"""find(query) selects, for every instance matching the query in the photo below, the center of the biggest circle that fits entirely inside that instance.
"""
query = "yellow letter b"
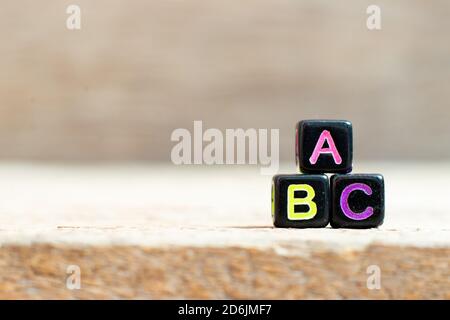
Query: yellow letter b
(293, 201)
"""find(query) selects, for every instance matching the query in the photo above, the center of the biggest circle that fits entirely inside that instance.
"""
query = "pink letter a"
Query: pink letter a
(318, 150)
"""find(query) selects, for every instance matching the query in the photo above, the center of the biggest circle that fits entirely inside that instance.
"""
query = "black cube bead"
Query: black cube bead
(300, 201)
(324, 146)
(357, 201)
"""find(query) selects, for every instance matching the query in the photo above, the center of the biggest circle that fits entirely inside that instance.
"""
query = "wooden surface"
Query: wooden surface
(206, 232)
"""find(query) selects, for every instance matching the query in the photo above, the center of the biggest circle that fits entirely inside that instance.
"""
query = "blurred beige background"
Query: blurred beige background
(117, 88)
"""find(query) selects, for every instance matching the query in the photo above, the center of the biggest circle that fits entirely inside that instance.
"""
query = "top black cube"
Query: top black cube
(324, 146)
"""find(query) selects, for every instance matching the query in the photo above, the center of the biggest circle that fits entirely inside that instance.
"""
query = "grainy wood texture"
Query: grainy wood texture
(205, 232)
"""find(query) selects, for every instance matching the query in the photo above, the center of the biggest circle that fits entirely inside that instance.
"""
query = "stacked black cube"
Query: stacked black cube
(312, 200)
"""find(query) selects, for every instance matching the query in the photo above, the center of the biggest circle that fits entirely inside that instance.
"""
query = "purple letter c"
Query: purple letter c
(344, 201)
